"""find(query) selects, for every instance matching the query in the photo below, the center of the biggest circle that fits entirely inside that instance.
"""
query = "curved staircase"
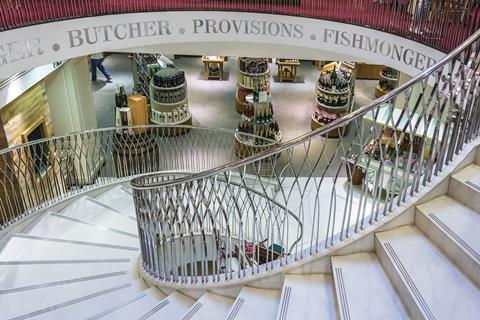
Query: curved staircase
(80, 263)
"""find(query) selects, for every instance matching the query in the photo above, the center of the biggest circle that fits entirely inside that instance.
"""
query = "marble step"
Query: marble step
(309, 297)
(22, 276)
(93, 304)
(172, 307)
(90, 210)
(453, 227)
(26, 249)
(430, 285)
(210, 306)
(363, 288)
(120, 199)
(38, 300)
(254, 303)
(63, 227)
(464, 186)
(133, 308)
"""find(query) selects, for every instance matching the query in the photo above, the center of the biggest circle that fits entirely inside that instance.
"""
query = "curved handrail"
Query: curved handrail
(424, 24)
(338, 187)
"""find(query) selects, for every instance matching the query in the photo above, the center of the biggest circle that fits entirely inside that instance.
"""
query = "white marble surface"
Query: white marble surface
(259, 304)
(118, 199)
(460, 190)
(455, 233)
(56, 226)
(311, 297)
(24, 249)
(447, 292)
(137, 308)
(367, 287)
(17, 276)
(24, 302)
(87, 210)
(177, 306)
(88, 308)
(213, 307)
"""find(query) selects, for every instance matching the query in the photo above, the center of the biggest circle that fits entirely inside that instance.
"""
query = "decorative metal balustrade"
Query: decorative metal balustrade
(440, 24)
(292, 201)
(45, 172)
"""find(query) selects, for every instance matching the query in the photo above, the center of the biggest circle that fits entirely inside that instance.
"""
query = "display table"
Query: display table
(213, 67)
(287, 69)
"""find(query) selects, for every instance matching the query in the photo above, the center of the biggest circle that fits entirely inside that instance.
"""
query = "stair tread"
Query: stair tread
(23, 276)
(89, 307)
(469, 173)
(88, 210)
(134, 308)
(455, 219)
(119, 199)
(309, 296)
(442, 290)
(254, 303)
(172, 307)
(58, 226)
(23, 248)
(210, 306)
(40, 299)
(363, 288)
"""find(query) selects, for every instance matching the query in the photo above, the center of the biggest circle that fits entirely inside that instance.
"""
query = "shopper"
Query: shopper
(96, 61)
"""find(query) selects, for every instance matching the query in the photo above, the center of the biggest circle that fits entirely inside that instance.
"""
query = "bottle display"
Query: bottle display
(258, 119)
(388, 81)
(253, 75)
(335, 94)
(121, 100)
(146, 66)
(169, 97)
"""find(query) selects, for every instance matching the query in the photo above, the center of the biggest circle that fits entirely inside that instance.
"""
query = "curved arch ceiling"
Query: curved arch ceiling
(211, 33)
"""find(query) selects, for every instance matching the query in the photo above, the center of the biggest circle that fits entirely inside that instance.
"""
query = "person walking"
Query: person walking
(96, 61)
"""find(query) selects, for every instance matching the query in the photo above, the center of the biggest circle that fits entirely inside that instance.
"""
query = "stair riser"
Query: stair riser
(466, 194)
(449, 245)
(398, 282)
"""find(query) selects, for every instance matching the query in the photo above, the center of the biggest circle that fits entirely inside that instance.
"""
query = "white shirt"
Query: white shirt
(96, 56)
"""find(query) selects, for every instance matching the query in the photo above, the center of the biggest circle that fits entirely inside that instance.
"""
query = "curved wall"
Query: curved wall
(227, 33)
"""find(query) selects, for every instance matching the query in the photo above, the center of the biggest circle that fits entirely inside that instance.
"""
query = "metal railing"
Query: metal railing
(386, 152)
(440, 24)
(38, 174)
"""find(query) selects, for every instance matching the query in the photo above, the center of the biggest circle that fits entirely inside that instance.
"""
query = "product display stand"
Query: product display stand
(213, 67)
(335, 96)
(257, 119)
(145, 65)
(251, 71)
(388, 81)
(287, 69)
(169, 101)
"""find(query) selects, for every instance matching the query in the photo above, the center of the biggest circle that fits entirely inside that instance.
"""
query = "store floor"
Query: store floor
(212, 104)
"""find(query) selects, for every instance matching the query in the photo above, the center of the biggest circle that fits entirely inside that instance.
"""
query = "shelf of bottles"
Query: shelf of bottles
(258, 119)
(146, 65)
(388, 81)
(168, 97)
(335, 95)
(251, 72)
